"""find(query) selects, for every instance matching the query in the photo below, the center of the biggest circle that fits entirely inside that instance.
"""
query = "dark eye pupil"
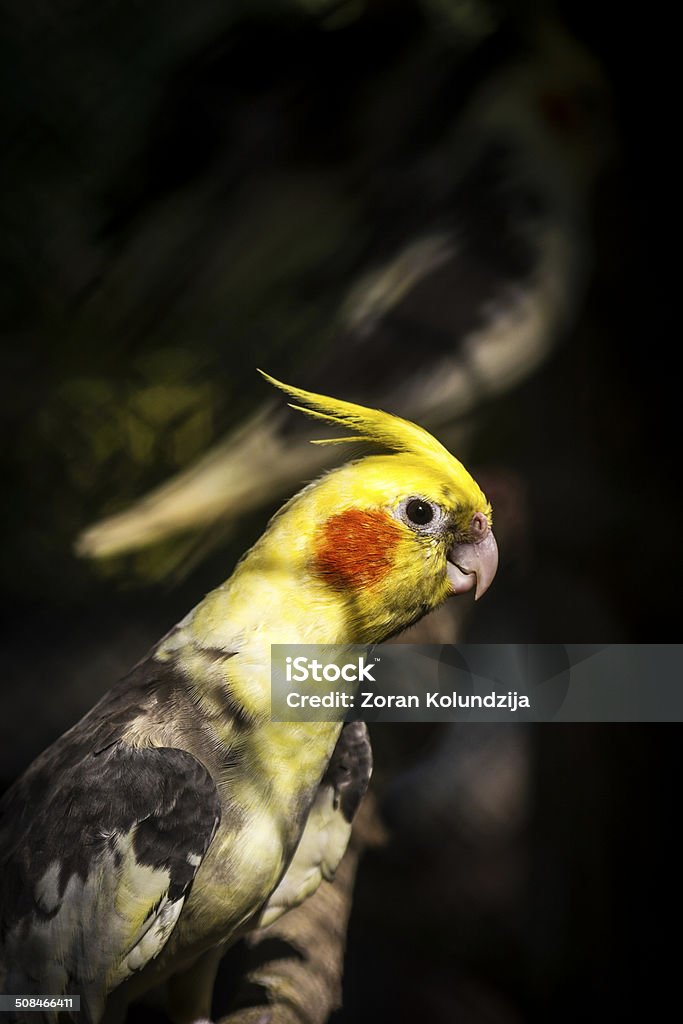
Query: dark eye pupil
(419, 512)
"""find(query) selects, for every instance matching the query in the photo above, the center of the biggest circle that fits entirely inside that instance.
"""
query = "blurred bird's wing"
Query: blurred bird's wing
(95, 873)
(244, 471)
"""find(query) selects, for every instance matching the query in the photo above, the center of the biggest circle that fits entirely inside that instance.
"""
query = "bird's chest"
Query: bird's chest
(263, 815)
(239, 872)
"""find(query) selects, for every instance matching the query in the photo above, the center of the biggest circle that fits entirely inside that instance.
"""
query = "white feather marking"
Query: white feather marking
(156, 936)
(47, 889)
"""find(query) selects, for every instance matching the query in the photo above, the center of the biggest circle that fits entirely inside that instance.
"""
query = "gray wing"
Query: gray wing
(98, 852)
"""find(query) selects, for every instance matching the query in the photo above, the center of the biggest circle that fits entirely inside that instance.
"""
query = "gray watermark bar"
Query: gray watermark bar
(40, 1004)
(477, 683)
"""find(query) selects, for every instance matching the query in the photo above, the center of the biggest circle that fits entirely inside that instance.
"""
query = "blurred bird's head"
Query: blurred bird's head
(390, 536)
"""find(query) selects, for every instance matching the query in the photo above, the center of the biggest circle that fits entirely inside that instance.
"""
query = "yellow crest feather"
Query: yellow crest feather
(372, 425)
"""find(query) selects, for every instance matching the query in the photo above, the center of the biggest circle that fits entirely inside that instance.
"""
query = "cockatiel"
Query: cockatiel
(176, 815)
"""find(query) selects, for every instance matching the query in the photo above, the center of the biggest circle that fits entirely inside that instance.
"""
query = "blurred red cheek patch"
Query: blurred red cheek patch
(356, 548)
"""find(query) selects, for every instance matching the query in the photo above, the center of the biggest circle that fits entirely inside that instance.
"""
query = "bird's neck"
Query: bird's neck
(222, 649)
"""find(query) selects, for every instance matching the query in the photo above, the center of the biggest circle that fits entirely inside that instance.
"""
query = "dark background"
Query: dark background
(186, 194)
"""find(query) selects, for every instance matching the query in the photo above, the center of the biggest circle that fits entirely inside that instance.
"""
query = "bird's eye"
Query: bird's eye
(421, 515)
(419, 512)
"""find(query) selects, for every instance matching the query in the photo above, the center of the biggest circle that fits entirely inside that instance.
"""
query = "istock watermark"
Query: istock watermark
(303, 670)
(478, 683)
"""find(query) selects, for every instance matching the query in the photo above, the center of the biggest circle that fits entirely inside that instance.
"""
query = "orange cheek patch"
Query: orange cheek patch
(356, 548)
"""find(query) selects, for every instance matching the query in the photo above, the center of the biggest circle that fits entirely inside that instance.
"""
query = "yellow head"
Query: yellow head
(391, 536)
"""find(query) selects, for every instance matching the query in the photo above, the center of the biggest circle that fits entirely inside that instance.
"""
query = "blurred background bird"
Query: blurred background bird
(460, 267)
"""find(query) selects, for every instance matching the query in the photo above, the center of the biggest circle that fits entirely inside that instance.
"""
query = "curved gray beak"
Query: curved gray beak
(473, 563)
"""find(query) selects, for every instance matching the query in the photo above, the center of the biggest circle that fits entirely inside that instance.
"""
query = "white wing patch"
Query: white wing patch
(103, 923)
(47, 890)
(155, 938)
(141, 887)
(98, 874)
